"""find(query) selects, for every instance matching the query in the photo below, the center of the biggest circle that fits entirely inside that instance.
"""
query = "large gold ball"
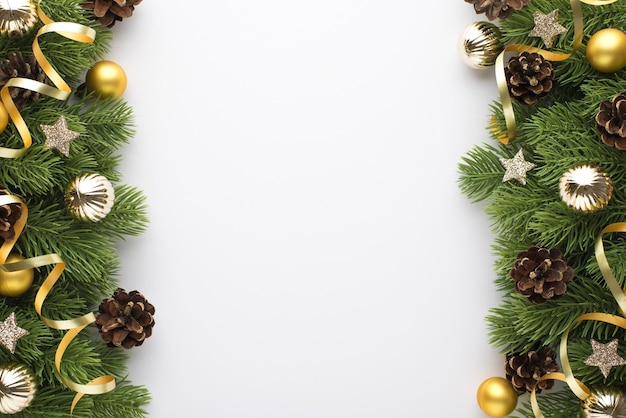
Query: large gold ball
(497, 397)
(15, 283)
(606, 50)
(106, 78)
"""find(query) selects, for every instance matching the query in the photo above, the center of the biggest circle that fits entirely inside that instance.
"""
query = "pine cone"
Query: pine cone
(541, 274)
(524, 370)
(611, 121)
(126, 319)
(497, 9)
(110, 11)
(529, 77)
(17, 66)
(9, 214)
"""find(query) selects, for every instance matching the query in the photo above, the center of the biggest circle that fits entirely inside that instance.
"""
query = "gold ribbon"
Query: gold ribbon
(97, 386)
(60, 91)
(503, 90)
(576, 386)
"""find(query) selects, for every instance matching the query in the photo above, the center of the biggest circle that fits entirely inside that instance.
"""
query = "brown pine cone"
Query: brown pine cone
(541, 274)
(524, 370)
(529, 77)
(9, 214)
(126, 319)
(497, 9)
(110, 11)
(25, 67)
(611, 121)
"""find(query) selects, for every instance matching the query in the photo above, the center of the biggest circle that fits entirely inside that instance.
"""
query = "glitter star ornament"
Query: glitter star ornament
(604, 356)
(58, 136)
(10, 333)
(516, 168)
(547, 27)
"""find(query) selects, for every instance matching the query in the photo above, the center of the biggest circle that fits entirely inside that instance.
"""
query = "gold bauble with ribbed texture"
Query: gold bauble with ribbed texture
(15, 283)
(480, 44)
(585, 188)
(17, 17)
(605, 404)
(496, 397)
(606, 50)
(105, 79)
(90, 197)
(19, 388)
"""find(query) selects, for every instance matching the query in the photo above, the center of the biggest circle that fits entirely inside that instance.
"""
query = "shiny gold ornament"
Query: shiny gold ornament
(18, 388)
(497, 397)
(480, 44)
(605, 405)
(17, 17)
(90, 197)
(606, 50)
(106, 78)
(15, 283)
(585, 188)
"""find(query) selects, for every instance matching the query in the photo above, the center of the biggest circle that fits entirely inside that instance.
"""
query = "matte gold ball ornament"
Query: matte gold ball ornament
(106, 79)
(480, 44)
(15, 283)
(90, 197)
(606, 50)
(18, 388)
(497, 397)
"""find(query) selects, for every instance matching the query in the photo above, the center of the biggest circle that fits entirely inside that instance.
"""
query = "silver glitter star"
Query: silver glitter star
(547, 27)
(10, 332)
(58, 136)
(516, 168)
(604, 356)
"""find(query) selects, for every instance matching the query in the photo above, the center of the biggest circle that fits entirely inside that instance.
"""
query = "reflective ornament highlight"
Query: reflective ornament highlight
(90, 197)
(17, 388)
(106, 78)
(17, 17)
(606, 50)
(15, 283)
(496, 397)
(585, 188)
(480, 44)
(605, 405)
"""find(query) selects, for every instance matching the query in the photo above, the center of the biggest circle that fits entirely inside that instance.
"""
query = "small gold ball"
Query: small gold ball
(90, 197)
(606, 50)
(496, 397)
(106, 78)
(15, 283)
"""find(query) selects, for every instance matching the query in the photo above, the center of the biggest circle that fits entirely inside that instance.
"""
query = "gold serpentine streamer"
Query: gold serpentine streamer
(576, 386)
(503, 90)
(60, 91)
(97, 386)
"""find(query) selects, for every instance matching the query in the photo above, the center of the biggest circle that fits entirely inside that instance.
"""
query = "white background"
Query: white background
(309, 253)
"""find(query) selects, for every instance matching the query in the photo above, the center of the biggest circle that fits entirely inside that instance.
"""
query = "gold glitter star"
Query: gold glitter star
(604, 356)
(58, 136)
(10, 333)
(516, 168)
(547, 27)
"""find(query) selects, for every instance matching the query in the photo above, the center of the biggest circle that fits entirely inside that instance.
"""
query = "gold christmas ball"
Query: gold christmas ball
(18, 388)
(480, 44)
(106, 78)
(15, 283)
(606, 50)
(496, 397)
(605, 405)
(90, 197)
(17, 17)
(585, 188)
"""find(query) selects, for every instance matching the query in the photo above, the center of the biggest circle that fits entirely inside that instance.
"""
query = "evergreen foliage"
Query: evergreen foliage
(556, 134)
(88, 249)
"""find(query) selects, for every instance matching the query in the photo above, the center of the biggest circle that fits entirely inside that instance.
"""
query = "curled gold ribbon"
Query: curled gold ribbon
(576, 386)
(97, 386)
(60, 91)
(503, 90)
